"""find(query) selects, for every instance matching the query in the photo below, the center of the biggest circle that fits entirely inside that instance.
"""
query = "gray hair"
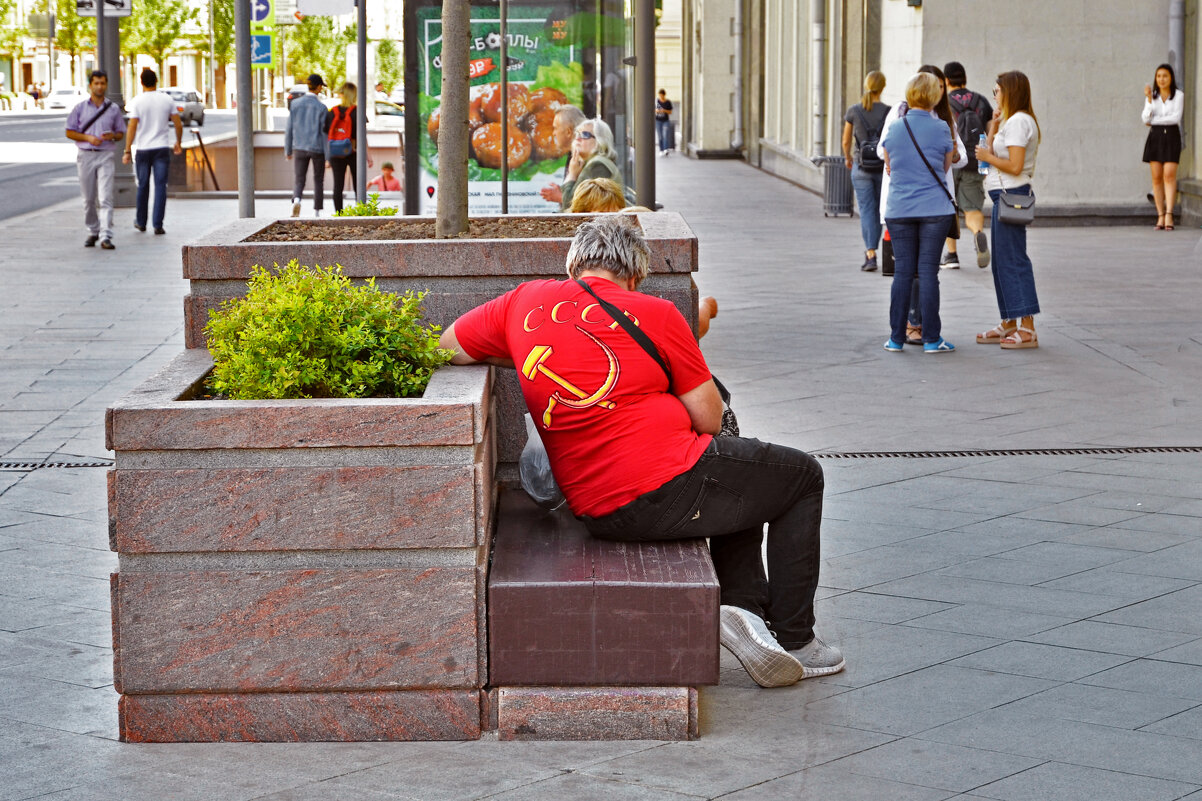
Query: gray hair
(571, 115)
(605, 139)
(613, 243)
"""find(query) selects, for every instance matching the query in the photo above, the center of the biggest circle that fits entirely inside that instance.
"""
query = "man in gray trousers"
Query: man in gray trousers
(305, 143)
(96, 125)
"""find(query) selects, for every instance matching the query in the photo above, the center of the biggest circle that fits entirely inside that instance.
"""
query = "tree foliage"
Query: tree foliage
(318, 45)
(388, 64)
(73, 34)
(154, 28)
(12, 33)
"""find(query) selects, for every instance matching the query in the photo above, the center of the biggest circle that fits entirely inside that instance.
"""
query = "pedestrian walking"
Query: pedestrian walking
(305, 139)
(151, 116)
(342, 142)
(1013, 142)
(96, 126)
(1164, 106)
(663, 123)
(971, 112)
(865, 122)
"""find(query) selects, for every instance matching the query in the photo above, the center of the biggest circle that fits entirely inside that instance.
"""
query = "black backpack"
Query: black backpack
(969, 125)
(869, 160)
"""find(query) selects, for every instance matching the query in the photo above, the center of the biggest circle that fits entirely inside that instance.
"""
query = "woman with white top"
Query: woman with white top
(1163, 108)
(1010, 150)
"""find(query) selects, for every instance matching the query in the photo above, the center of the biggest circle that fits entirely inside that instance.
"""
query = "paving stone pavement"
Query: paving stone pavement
(1016, 626)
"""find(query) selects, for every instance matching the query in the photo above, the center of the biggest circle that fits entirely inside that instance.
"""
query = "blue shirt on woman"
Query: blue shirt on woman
(913, 190)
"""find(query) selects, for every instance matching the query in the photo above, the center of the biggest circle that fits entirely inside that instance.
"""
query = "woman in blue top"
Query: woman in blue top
(918, 210)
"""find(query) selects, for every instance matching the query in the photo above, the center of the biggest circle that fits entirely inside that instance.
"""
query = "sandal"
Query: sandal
(1015, 341)
(1168, 222)
(996, 334)
(913, 334)
(1160, 223)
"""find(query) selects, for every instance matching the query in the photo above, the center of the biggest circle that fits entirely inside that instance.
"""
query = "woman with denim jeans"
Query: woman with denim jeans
(918, 150)
(866, 121)
(1010, 150)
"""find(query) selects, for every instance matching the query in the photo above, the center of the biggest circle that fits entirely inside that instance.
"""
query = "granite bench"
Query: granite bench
(596, 640)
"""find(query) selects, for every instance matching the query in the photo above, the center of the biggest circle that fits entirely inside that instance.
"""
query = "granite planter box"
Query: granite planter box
(298, 570)
(458, 273)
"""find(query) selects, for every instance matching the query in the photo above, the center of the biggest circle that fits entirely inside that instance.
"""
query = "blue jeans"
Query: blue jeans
(868, 197)
(1013, 276)
(917, 244)
(158, 159)
(736, 487)
(665, 135)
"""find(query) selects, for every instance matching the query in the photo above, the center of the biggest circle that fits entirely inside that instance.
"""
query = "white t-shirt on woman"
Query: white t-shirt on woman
(1158, 111)
(1018, 130)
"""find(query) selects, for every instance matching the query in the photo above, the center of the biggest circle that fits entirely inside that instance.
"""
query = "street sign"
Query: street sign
(262, 50)
(261, 13)
(324, 8)
(112, 8)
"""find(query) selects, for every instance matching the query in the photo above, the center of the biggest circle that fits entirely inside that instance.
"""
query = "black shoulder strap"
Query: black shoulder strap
(935, 175)
(97, 116)
(629, 327)
(864, 121)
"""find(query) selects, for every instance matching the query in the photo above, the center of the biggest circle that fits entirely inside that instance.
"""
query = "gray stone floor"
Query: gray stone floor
(1017, 627)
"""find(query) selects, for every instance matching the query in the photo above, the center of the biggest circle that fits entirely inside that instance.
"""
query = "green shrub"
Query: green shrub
(308, 332)
(368, 208)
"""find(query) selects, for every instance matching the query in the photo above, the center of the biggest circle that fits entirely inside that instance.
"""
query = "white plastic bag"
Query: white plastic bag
(535, 470)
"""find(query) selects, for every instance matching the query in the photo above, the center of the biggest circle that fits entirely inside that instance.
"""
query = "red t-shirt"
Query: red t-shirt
(612, 428)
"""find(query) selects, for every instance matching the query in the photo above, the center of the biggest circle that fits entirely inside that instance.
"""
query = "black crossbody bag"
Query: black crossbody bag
(942, 183)
(730, 425)
(97, 116)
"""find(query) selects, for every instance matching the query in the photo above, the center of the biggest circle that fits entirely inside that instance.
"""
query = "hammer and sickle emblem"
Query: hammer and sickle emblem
(536, 363)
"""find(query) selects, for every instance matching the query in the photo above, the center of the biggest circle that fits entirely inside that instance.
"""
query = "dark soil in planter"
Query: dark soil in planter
(547, 227)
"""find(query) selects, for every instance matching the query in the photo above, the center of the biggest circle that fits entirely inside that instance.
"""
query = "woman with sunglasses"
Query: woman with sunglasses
(1010, 149)
(593, 156)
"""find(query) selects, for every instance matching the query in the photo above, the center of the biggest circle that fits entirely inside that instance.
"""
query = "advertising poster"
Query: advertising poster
(544, 71)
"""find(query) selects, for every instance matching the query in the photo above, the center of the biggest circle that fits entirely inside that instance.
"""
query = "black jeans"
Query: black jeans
(300, 166)
(339, 166)
(736, 487)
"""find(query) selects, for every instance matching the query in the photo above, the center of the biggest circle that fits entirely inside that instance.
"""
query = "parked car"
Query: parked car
(188, 104)
(67, 97)
(389, 115)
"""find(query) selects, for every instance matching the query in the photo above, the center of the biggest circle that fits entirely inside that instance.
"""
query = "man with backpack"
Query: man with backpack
(305, 137)
(972, 113)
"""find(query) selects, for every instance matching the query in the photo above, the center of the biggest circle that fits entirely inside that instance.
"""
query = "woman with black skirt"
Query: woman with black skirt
(1163, 108)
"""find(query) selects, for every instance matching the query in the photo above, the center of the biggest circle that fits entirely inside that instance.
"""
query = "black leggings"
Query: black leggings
(338, 165)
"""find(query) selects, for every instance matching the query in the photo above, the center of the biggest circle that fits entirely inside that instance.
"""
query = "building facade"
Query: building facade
(770, 80)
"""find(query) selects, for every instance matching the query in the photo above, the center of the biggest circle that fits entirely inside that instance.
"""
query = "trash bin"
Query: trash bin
(836, 186)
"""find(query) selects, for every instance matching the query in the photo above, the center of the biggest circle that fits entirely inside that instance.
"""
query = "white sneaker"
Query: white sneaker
(747, 637)
(295, 207)
(819, 659)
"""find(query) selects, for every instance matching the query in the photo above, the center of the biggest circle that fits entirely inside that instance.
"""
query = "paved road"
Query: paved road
(37, 163)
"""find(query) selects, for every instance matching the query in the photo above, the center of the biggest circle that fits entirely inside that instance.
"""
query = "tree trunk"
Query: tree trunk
(453, 130)
(219, 87)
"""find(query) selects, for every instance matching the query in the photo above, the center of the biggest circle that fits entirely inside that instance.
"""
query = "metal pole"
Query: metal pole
(100, 43)
(212, 61)
(644, 102)
(361, 111)
(412, 125)
(246, 101)
(504, 106)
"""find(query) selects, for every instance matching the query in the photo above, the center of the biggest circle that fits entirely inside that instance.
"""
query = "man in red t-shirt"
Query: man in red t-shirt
(630, 440)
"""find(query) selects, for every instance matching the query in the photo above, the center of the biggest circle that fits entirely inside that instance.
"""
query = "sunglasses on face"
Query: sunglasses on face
(585, 135)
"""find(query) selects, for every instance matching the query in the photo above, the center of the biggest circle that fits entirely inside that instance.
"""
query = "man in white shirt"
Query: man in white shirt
(150, 114)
